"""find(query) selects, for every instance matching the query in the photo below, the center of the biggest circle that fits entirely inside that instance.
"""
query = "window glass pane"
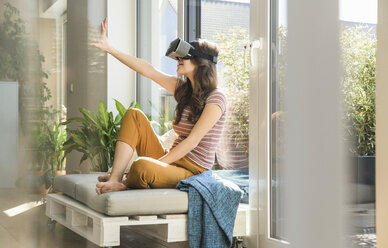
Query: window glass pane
(33, 53)
(227, 24)
(358, 21)
(157, 26)
(358, 43)
(278, 30)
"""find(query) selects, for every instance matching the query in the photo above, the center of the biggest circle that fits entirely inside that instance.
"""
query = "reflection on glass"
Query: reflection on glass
(278, 31)
(227, 24)
(358, 21)
(358, 57)
(31, 52)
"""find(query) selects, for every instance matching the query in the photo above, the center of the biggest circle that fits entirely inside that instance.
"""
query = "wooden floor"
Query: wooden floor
(29, 229)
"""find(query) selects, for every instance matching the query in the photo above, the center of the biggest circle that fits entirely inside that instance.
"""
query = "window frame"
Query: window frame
(192, 19)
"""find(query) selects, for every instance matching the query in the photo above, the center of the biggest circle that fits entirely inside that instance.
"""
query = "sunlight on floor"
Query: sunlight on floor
(22, 208)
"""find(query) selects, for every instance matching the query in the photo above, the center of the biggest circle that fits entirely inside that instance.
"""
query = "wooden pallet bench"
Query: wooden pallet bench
(104, 230)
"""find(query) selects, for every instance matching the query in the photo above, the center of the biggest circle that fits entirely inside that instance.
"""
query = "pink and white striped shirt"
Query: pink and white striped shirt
(204, 153)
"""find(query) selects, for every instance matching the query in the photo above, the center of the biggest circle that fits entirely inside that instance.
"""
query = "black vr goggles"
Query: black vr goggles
(181, 49)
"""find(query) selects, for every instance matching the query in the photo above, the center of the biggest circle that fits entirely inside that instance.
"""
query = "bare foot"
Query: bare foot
(104, 178)
(109, 186)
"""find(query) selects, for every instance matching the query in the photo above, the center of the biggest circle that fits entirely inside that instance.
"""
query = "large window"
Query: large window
(157, 27)
(227, 24)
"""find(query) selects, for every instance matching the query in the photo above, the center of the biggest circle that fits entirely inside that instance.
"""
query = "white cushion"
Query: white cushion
(129, 202)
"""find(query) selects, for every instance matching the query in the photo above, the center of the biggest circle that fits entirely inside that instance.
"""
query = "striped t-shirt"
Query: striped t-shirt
(204, 153)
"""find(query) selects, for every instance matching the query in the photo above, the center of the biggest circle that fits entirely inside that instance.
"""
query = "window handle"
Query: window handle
(245, 54)
(256, 44)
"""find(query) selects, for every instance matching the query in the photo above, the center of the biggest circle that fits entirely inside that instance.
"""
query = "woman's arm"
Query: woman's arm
(209, 117)
(139, 65)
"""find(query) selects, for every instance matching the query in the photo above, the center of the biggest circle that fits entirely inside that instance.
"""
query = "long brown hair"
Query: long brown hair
(205, 81)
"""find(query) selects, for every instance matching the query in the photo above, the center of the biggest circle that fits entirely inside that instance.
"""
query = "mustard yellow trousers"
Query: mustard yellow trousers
(147, 171)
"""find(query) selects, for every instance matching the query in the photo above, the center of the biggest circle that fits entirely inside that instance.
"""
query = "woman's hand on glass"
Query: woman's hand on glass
(103, 43)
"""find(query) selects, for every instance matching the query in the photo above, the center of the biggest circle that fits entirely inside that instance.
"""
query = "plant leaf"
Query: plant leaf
(79, 138)
(90, 117)
(103, 114)
(79, 119)
(120, 107)
(137, 106)
(118, 120)
(84, 157)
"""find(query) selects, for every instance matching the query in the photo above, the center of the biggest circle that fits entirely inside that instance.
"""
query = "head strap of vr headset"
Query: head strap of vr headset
(193, 52)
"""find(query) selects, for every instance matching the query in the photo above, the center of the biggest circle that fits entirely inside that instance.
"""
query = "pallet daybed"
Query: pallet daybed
(158, 212)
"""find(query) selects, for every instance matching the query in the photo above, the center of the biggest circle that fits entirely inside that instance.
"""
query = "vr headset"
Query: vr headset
(181, 49)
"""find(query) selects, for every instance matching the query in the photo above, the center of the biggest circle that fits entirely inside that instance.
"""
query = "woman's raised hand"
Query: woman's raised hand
(103, 42)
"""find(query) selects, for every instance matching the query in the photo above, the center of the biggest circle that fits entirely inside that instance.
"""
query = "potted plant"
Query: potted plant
(359, 57)
(232, 152)
(50, 154)
(96, 137)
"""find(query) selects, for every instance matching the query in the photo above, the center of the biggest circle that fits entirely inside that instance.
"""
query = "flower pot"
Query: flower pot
(365, 168)
(363, 178)
(42, 188)
(34, 183)
(60, 173)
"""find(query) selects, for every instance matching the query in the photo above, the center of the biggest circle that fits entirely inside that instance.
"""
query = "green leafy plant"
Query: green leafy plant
(13, 45)
(359, 87)
(50, 155)
(96, 137)
(235, 76)
(235, 70)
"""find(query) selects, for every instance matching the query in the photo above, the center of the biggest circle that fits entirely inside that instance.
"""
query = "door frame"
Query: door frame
(259, 128)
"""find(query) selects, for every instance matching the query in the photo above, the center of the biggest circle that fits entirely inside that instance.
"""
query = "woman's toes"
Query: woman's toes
(104, 187)
(103, 178)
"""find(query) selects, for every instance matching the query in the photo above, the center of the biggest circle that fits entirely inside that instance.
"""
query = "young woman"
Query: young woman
(199, 120)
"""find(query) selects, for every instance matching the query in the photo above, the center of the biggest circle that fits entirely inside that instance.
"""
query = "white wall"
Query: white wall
(122, 35)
